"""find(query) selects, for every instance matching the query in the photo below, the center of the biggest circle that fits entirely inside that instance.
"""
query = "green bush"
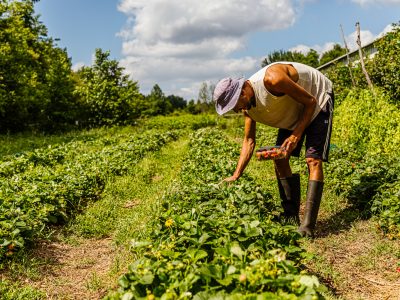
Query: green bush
(35, 75)
(365, 167)
(368, 123)
(385, 67)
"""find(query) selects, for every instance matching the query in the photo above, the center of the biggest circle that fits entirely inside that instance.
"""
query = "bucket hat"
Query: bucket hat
(226, 94)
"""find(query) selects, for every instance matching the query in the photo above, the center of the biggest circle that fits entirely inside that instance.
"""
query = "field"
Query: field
(139, 212)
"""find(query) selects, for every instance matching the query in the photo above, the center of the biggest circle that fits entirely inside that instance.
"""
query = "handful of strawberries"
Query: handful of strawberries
(271, 153)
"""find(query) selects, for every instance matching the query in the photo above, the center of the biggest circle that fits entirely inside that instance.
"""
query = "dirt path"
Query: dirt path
(357, 263)
(74, 272)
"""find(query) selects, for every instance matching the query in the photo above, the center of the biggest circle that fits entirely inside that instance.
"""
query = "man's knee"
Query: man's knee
(314, 163)
(282, 168)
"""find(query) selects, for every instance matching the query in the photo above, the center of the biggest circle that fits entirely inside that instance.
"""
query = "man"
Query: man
(298, 100)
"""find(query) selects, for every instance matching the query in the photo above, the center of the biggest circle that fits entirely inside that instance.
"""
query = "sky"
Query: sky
(180, 44)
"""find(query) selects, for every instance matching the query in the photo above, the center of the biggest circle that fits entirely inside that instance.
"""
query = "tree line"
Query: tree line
(40, 91)
(311, 58)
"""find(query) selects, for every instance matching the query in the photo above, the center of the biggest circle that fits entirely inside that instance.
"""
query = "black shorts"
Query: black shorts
(317, 134)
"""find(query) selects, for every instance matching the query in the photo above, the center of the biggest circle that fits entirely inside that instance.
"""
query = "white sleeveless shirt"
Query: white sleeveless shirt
(284, 111)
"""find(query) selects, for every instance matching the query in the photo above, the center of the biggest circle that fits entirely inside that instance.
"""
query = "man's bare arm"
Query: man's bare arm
(248, 145)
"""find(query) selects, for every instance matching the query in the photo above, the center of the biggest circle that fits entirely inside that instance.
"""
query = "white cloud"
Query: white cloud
(179, 44)
(376, 2)
(179, 76)
(320, 49)
(77, 65)
(386, 30)
(366, 37)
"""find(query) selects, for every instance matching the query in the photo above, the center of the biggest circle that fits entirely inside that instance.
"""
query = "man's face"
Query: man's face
(243, 103)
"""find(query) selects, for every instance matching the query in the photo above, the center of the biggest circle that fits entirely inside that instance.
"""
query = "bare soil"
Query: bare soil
(75, 271)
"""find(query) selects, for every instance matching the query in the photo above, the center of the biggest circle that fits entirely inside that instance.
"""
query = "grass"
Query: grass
(129, 201)
(12, 291)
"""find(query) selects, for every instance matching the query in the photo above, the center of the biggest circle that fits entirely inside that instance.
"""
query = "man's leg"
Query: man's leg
(288, 183)
(289, 190)
(313, 198)
(315, 170)
(317, 144)
(282, 168)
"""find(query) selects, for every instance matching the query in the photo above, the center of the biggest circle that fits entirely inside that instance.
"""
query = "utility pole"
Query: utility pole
(362, 58)
(348, 57)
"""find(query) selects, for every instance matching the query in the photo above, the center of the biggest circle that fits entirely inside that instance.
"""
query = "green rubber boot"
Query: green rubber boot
(289, 191)
(313, 200)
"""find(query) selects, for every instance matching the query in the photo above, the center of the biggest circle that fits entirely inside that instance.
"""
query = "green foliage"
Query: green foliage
(184, 121)
(311, 58)
(35, 78)
(365, 168)
(177, 102)
(214, 241)
(49, 185)
(385, 68)
(204, 103)
(106, 94)
(156, 103)
(329, 55)
(367, 123)
(11, 291)
(340, 76)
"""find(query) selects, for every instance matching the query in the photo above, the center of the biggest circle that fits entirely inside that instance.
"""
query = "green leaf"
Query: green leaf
(139, 244)
(203, 237)
(147, 279)
(236, 250)
(226, 281)
(254, 223)
(196, 255)
(310, 281)
(231, 270)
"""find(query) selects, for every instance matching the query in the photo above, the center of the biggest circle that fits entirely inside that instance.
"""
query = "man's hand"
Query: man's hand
(229, 179)
(290, 144)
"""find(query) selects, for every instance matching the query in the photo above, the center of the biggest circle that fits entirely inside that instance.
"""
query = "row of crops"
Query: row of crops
(213, 241)
(48, 185)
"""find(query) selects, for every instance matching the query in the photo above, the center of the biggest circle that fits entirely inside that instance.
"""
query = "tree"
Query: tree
(32, 70)
(335, 52)
(106, 94)
(203, 93)
(177, 102)
(204, 99)
(385, 67)
(311, 58)
(157, 103)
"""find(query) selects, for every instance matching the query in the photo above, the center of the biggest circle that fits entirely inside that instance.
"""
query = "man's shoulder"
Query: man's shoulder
(258, 75)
